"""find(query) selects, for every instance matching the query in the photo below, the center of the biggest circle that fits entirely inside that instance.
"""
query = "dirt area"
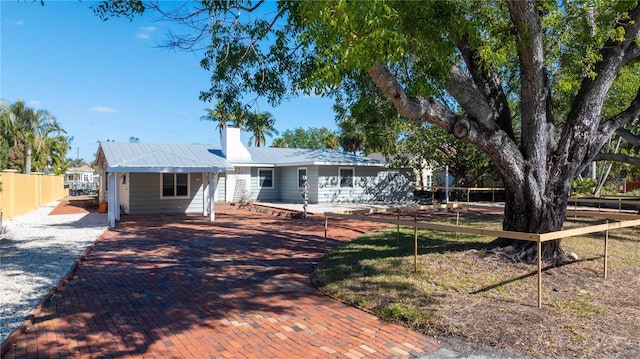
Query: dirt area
(583, 314)
(472, 296)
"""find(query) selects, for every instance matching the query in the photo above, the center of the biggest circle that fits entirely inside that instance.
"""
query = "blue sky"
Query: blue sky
(109, 80)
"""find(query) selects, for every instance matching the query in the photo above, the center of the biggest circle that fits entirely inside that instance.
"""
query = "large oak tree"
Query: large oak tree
(525, 82)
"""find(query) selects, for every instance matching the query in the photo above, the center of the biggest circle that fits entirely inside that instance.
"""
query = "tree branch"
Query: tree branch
(488, 83)
(582, 136)
(409, 107)
(496, 144)
(470, 97)
(632, 139)
(534, 84)
(632, 53)
(616, 157)
(590, 98)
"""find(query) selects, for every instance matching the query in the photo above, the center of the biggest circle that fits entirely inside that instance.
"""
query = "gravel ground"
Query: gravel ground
(36, 251)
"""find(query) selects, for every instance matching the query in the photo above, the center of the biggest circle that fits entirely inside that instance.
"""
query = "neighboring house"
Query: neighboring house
(81, 180)
(236, 173)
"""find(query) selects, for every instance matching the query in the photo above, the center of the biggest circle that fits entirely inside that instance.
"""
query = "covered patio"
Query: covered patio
(158, 178)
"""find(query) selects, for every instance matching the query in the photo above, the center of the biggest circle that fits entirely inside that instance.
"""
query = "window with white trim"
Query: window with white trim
(174, 185)
(345, 175)
(265, 178)
(302, 176)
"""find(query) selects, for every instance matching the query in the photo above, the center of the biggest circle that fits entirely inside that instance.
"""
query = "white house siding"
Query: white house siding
(314, 183)
(221, 187)
(240, 176)
(123, 193)
(289, 190)
(370, 184)
(144, 189)
(262, 194)
(288, 184)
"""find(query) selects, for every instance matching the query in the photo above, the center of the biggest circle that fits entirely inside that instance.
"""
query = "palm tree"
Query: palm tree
(30, 128)
(225, 115)
(56, 148)
(279, 143)
(351, 137)
(261, 125)
(5, 136)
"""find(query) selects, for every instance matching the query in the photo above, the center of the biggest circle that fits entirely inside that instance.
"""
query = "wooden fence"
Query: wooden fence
(464, 190)
(365, 215)
(23, 193)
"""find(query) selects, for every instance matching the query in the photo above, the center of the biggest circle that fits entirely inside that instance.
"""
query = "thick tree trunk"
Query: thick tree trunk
(528, 212)
(27, 165)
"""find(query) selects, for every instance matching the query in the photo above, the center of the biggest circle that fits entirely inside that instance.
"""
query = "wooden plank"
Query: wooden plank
(466, 188)
(534, 237)
(586, 230)
(602, 200)
(401, 209)
(596, 214)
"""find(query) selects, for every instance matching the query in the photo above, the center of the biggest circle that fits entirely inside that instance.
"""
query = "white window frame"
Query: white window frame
(306, 173)
(175, 187)
(273, 178)
(353, 177)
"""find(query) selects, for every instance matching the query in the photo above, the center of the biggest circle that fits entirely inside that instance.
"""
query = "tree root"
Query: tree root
(527, 252)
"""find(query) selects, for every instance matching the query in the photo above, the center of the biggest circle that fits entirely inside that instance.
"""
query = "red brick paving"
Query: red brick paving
(182, 287)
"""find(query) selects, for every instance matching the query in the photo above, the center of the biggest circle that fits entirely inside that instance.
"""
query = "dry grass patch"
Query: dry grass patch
(461, 290)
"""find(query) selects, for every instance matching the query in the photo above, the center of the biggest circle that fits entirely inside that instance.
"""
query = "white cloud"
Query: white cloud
(33, 103)
(145, 32)
(19, 23)
(103, 109)
(183, 113)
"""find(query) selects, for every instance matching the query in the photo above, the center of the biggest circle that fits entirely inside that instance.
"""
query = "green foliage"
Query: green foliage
(352, 137)
(77, 162)
(260, 125)
(368, 120)
(277, 50)
(583, 186)
(116, 8)
(35, 138)
(432, 147)
(315, 138)
(226, 113)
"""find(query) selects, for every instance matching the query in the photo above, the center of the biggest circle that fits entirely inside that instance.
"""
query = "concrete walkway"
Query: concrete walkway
(182, 287)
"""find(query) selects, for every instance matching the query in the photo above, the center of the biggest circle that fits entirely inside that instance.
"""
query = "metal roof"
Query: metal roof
(299, 157)
(146, 157)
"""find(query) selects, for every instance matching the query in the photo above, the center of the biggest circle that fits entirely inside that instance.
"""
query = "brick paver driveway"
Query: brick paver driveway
(164, 286)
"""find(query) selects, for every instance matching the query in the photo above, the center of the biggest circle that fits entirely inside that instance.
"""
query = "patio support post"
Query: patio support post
(206, 178)
(116, 208)
(111, 198)
(213, 178)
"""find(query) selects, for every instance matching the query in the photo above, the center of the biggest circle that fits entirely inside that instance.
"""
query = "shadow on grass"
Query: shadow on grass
(530, 274)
